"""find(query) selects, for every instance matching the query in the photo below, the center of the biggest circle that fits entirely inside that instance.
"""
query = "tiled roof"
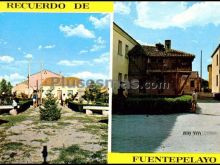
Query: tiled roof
(153, 51)
(64, 81)
(46, 70)
(23, 82)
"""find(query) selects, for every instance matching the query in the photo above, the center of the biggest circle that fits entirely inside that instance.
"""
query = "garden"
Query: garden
(95, 95)
(69, 136)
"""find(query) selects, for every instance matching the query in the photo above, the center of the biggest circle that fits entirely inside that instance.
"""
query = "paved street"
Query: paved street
(186, 132)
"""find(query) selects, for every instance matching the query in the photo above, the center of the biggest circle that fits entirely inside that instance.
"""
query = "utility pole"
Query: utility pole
(201, 72)
(41, 87)
(29, 71)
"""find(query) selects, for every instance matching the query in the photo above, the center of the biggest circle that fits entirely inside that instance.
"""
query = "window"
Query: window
(192, 83)
(119, 47)
(217, 60)
(119, 77)
(216, 80)
(125, 77)
(126, 51)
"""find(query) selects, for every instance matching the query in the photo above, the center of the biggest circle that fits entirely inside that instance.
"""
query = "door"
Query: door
(59, 94)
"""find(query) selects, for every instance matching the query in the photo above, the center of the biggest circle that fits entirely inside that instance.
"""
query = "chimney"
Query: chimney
(167, 44)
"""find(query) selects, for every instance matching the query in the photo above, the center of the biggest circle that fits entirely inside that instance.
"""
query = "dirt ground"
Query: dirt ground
(75, 138)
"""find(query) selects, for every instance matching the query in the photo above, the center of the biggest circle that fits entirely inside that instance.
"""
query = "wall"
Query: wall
(35, 79)
(56, 88)
(120, 62)
(215, 71)
(210, 76)
(35, 82)
(20, 88)
(193, 77)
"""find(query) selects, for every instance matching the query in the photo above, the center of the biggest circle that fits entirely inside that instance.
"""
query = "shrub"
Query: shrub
(152, 105)
(24, 105)
(217, 96)
(50, 110)
(78, 107)
(96, 93)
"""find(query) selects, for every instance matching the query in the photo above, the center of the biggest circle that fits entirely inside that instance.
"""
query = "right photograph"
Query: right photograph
(166, 77)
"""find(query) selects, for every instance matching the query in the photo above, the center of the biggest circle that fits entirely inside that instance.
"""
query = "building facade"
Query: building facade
(161, 70)
(34, 82)
(122, 44)
(216, 70)
(60, 86)
(155, 70)
(209, 68)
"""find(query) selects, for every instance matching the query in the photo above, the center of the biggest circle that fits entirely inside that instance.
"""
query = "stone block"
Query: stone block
(89, 112)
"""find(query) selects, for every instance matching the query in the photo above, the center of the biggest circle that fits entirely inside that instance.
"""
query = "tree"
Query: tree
(50, 110)
(95, 94)
(5, 88)
(5, 92)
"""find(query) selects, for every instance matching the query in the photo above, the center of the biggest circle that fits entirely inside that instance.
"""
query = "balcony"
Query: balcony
(167, 68)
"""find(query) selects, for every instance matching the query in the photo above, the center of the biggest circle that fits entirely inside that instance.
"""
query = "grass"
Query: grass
(94, 128)
(45, 126)
(13, 146)
(104, 136)
(49, 133)
(72, 155)
(63, 123)
(87, 119)
(13, 120)
(75, 155)
(40, 140)
(69, 154)
(13, 134)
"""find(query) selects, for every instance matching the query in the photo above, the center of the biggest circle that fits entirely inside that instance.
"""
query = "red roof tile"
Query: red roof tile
(153, 51)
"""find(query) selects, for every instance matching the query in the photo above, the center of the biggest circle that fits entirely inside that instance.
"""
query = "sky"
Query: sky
(74, 44)
(191, 26)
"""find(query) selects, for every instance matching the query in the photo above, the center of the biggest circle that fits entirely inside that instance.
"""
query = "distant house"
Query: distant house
(64, 85)
(193, 82)
(34, 82)
(162, 70)
(215, 70)
(21, 88)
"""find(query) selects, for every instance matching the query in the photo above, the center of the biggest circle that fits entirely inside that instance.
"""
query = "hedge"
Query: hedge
(24, 105)
(79, 107)
(75, 106)
(217, 96)
(151, 105)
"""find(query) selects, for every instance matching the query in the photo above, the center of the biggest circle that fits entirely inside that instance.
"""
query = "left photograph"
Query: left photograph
(54, 94)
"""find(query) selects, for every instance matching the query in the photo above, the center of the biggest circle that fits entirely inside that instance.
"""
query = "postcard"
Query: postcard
(165, 104)
(54, 102)
(87, 82)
